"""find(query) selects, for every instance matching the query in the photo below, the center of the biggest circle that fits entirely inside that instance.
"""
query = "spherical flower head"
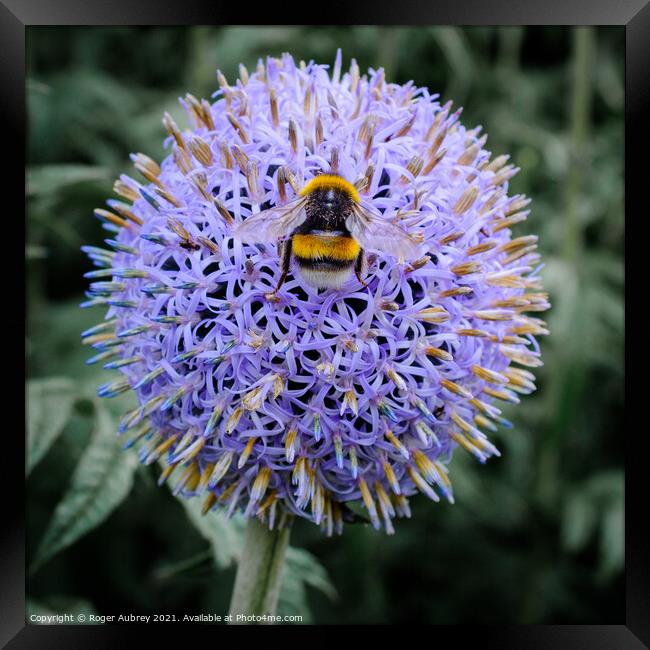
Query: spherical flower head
(303, 401)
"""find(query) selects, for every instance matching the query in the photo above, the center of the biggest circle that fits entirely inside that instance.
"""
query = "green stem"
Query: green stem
(201, 73)
(567, 384)
(583, 54)
(387, 49)
(564, 387)
(510, 41)
(257, 584)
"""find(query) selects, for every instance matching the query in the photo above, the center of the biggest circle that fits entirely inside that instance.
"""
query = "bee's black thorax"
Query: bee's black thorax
(327, 209)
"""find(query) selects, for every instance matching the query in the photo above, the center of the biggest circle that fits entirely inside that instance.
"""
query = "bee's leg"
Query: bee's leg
(285, 262)
(359, 266)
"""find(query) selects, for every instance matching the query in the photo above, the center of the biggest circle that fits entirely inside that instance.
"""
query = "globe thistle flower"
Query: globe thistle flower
(302, 401)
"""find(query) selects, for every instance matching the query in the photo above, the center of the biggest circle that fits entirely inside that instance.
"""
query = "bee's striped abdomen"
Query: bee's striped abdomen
(325, 260)
(332, 248)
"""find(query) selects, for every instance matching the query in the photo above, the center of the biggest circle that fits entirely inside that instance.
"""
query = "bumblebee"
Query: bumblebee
(326, 231)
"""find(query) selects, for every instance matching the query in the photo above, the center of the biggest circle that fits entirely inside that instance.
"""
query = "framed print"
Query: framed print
(325, 324)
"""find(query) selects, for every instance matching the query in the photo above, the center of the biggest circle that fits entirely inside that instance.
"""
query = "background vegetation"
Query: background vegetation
(535, 536)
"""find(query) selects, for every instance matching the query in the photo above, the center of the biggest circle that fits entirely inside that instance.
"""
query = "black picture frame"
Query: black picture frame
(16, 15)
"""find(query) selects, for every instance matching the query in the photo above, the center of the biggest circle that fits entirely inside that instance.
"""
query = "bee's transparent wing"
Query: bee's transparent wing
(272, 224)
(374, 232)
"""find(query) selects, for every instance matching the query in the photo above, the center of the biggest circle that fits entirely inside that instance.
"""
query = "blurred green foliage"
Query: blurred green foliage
(535, 536)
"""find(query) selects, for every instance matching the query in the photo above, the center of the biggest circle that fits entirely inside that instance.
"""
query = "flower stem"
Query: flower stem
(580, 107)
(257, 584)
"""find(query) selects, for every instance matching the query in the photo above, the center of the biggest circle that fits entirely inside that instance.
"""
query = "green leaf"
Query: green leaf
(597, 506)
(101, 480)
(579, 522)
(612, 539)
(183, 567)
(56, 345)
(33, 252)
(292, 600)
(46, 179)
(308, 569)
(225, 535)
(49, 404)
(302, 569)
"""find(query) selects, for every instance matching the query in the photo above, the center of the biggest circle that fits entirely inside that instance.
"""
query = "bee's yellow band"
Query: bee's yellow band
(331, 182)
(312, 247)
